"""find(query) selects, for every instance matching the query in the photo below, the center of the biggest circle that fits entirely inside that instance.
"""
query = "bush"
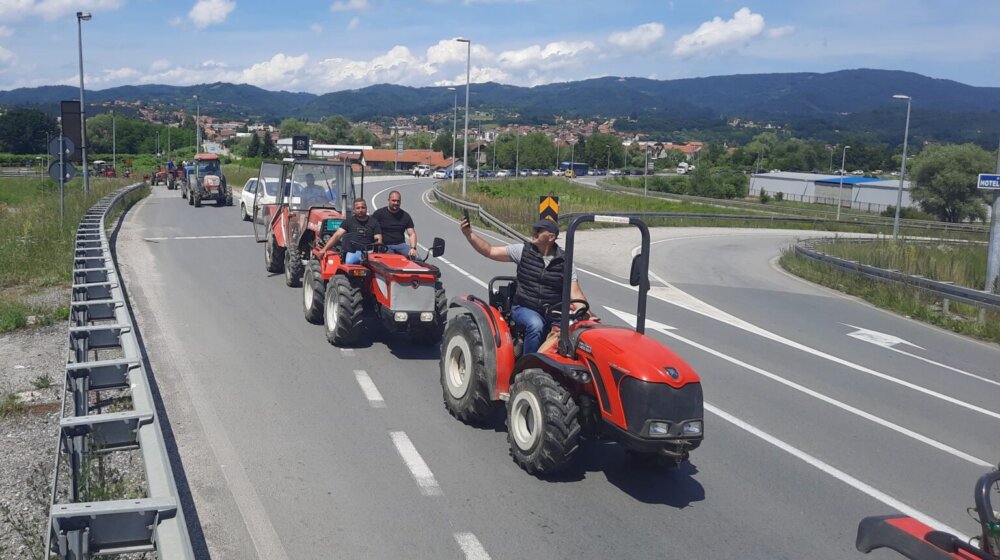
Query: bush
(764, 197)
(779, 196)
(907, 213)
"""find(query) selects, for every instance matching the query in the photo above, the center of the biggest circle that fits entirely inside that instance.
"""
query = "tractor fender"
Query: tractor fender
(498, 346)
(569, 372)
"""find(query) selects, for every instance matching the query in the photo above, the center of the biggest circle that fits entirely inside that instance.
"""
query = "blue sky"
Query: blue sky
(329, 45)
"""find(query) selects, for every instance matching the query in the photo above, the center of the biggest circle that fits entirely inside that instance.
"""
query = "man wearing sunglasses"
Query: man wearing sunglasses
(540, 273)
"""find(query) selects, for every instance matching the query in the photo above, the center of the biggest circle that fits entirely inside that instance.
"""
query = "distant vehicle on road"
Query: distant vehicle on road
(422, 170)
(579, 169)
(439, 174)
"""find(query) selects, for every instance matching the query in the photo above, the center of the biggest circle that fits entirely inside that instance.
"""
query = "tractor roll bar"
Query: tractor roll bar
(638, 274)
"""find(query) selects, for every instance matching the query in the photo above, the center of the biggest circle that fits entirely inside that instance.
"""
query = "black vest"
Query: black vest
(539, 286)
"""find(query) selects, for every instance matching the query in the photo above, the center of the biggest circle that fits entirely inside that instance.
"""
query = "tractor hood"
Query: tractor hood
(625, 352)
(211, 182)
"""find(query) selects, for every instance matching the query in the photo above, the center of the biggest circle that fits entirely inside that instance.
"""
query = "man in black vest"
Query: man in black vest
(540, 273)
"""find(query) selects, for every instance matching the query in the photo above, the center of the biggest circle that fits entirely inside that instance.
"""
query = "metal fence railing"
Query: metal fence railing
(105, 355)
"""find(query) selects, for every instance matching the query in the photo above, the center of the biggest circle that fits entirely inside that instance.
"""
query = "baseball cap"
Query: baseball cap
(547, 225)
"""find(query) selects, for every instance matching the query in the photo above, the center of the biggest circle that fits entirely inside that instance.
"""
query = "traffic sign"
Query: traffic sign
(69, 171)
(68, 147)
(548, 208)
(988, 182)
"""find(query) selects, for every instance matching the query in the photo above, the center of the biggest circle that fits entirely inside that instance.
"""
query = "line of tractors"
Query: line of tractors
(599, 381)
(199, 180)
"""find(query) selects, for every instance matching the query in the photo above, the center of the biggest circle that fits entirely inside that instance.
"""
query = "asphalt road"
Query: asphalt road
(292, 448)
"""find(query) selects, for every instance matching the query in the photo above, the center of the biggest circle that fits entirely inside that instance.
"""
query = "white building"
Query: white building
(321, 150)
(863, 193)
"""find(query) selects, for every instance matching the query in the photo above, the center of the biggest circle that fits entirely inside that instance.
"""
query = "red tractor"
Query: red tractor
(600, 381)
(206, 182)
(916, 540)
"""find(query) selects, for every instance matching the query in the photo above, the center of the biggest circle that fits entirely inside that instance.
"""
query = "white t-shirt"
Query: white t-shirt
(514, 251)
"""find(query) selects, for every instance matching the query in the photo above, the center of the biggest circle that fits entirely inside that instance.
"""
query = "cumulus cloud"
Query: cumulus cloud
(349, 5)
(553, 55)
(638, 38)
(478, 75)
(397, 66)
(12, 10)
(159, 65)
(776, 32)
(448, 51)
(717, 33)
(280, 71)
(211, 12)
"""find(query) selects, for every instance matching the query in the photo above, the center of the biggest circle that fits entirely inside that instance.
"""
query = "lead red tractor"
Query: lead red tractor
(599, 381)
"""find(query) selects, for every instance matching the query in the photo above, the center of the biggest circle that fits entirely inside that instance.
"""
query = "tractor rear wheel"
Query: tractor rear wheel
(293, 266)
(543, 425)
(431, 334)
(313, 293)
(342, 312)
(463, 372)
(221, 201)
(274, 256)
(184, 194)
(197, 199)
(229, 199)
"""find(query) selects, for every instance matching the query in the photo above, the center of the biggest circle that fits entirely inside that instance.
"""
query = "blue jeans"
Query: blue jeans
(401, 249)
(354, 257)
(535, 327)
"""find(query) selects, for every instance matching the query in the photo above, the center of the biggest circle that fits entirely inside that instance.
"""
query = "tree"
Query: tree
(22, 131)
(268, 150)
(537, 151)
(418, 141)
(293, 127)
(597, 149)
(443, 143)
(253, 150)
(946, 177)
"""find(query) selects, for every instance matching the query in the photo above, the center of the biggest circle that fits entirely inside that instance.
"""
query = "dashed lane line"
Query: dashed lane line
(369, 389)
(471, 546)
(418, 468)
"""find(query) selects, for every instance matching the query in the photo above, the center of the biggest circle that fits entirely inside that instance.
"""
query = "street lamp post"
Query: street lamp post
(609, 160)
(645, 174)
(81, 17)
(902, 172)
(840, 191)
(159, 164)
(517, 155)
(468, 78)
(454, 132)
(114, 145)
(197, 124)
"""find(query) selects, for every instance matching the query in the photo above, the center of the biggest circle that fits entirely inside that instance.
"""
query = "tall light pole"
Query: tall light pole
(902, 172)
(454, 132)
(158, 162)
(831, 158)
(468, 78)
(81, 17)
(517, 154)
(840, 192)
(114, 145)
(197, 124)
(609, 160)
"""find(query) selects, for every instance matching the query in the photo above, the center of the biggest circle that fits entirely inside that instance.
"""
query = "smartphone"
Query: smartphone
(465, 214)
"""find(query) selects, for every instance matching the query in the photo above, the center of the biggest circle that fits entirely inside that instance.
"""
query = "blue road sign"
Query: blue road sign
(991, 182)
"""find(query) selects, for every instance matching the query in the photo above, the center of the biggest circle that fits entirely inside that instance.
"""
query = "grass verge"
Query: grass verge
(905, 300)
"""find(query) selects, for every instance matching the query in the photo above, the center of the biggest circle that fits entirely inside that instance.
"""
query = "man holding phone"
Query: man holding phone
(540, 273)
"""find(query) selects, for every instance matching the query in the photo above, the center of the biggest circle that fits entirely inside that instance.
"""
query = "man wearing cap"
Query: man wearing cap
(313, 194)
(540, 273)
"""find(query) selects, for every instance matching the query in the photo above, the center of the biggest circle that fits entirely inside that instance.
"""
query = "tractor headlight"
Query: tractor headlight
(400, 317)
(659, 428)
(692, 428)
(426, 316)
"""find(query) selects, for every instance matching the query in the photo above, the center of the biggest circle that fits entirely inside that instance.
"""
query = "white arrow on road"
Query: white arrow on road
(631, 320)
(877, 338)
(889, 342)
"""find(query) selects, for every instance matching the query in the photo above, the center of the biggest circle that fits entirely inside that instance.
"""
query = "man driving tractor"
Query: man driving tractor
(540, 274)
(363, 231)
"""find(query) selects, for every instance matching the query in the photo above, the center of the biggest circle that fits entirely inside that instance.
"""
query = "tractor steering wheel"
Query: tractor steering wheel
(554, 313)
(377, 248)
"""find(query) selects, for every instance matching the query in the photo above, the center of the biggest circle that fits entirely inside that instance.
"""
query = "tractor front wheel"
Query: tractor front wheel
(313, 293)
(543, 425)
(197, 199)
(274, 256)
(342, 312)
(463, 372)
(293, 267)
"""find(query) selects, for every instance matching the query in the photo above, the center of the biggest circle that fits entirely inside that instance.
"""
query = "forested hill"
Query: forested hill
(845, 99)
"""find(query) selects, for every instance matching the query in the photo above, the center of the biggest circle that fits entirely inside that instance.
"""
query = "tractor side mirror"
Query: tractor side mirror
(636, 272)
(437, 248)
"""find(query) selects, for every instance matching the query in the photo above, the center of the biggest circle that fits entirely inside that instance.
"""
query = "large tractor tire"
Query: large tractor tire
(229, 198)
(221, 201)
(243, 212)
(463, 372)
(313, 293)
(431, 334)
(342, 312)
(184, 194)
(293, 267)
(196, 196)
(543, 425)
(274, 256)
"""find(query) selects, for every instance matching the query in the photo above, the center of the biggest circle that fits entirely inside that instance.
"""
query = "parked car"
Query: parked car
(615, 172)
(422, 170)
(440, 174)
(248, 193)
(503, 173)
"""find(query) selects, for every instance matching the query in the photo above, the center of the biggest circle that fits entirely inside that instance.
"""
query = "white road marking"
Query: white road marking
(369, 389)
(418, 468)
(630, 319)
(196, 237)
(463, 272)
(835, 472)
(945, 366)
(471, 546)
(347, 352)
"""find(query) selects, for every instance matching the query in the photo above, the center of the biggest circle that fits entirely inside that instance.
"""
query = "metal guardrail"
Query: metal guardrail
(100, 322)
(946, 290)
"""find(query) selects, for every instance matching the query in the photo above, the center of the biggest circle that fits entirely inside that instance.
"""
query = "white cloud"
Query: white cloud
(159, 65)
(638, 38)
(211, 12)
(478, 75)
(398, 66)
(776, 32)
(447, 51)
(719, 34)
(552, 55)
(12, 10)
(354, 23)
(278, 72)
(5, 31)
(316, 28)
(349, 5)
(6, 56)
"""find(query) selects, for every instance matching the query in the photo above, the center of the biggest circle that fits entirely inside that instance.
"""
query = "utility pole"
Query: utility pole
(993, 253)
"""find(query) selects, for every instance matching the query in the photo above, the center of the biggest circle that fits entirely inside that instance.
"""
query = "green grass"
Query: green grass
(14, 313)
(10, 405)
(905, 300)
(962, 264)
(237, 175)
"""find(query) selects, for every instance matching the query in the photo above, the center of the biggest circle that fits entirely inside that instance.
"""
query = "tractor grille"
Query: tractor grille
(406, 297)
(644, 401)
